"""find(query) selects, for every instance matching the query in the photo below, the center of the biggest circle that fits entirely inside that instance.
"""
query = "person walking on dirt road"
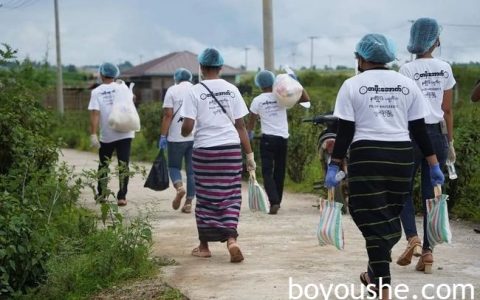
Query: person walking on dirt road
(435, 79)
(377, 109)
(216, 109)
(100, 107)
(274, 139)
(179, 147)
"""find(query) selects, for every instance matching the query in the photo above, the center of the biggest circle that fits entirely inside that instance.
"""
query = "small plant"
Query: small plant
(49, 247)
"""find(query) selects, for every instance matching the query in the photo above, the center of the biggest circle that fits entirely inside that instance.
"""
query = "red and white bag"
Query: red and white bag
(287, 90)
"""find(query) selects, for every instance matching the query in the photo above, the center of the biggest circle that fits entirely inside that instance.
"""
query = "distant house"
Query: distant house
(153, 78)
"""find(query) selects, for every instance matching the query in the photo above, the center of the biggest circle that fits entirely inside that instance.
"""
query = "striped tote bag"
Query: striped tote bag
(257, 199)
(438, 225)
(330, 229)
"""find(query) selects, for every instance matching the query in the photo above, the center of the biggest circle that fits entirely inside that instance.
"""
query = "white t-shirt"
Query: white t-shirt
(273, 117)
(174, 99)
(380, 102)
(102, 99)
(212, 126)
(433, 76)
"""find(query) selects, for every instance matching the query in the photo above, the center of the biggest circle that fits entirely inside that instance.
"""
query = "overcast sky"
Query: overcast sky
(117, 30)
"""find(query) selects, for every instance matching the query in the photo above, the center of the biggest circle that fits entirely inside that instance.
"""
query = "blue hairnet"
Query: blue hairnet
(109, 70)
(376, 48)
(210, 57)
(264, 79)
(423, 34)
(182, 74)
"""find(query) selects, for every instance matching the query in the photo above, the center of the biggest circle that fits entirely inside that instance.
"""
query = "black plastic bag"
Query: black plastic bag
(157, 179)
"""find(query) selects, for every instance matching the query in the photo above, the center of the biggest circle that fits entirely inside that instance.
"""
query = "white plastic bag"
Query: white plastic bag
(287, 90)
(124, 116)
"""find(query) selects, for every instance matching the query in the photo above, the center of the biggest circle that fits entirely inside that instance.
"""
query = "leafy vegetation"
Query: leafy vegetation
(50, 248)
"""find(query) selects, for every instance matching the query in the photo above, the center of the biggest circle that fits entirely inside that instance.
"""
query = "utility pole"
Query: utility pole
(311, 49)
(60, 107)
(246, 57)
(269, 62)
(330, 61)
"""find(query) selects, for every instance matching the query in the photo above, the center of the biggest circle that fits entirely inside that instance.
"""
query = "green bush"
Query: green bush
(72, 130)
(40, 224)
(28, 156)
(465, 191)
(102, 258)
(142, 150)
(151, 118)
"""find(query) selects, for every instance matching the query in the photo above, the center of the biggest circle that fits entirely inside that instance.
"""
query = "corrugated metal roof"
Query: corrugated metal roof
(166, 65)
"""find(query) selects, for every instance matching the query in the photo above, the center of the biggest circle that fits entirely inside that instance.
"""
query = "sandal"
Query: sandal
(178, 198)
(414, 248)
(365, 280)
(425, 262)
(236, 255)
(122, 202)
(187, 208)
(205, 254)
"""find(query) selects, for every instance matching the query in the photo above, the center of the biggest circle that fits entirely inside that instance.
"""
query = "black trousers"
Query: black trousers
(122, 148)
(273, 152)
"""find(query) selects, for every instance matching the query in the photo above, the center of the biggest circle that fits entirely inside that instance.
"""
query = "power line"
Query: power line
(17, 4)
(460, 25)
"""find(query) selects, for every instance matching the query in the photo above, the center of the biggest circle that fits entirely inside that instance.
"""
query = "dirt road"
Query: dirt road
(282, 257)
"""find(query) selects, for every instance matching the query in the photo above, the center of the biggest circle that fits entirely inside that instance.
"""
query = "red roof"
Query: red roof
(166, 66)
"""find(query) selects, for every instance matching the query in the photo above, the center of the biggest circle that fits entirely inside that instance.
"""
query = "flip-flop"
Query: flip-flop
(178, 198)
(365, 279)
(236, 255)
(122, 202)
(205, 254)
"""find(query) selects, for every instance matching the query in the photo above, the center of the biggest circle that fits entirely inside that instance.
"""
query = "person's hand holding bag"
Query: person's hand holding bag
(251, 165)
(162, 142)
(330, 177)
(436, 175)
(94, 142)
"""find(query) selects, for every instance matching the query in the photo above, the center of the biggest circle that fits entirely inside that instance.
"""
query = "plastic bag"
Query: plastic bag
(157, 179)
(438, 225)
(330, 229)
(287, 90)
(124, 116)
(257, 199)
